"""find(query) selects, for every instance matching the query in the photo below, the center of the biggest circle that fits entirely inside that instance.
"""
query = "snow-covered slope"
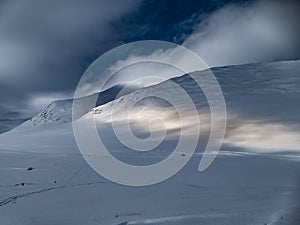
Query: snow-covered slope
(263, 90)
(56, 112)
(59, 112)
(262, 102)
(269, 90)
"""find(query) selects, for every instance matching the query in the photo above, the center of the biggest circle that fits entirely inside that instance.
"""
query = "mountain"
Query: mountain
(45, 179)
(262, 90)
(265, 90)
(61, 111)
(258, 97)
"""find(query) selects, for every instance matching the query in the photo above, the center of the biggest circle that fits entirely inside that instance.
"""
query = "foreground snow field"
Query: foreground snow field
(255, 178)
(62, 189)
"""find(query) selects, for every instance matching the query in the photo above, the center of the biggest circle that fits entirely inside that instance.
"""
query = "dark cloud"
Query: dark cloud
(45, 46)
(49, 38)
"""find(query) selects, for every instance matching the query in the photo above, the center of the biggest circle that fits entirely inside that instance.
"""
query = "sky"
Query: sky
(45, 46)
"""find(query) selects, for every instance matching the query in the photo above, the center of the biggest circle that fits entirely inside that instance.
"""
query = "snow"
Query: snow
(57, 111)
(60, 111)
(234, 190)
(262, 107)
(256, 182)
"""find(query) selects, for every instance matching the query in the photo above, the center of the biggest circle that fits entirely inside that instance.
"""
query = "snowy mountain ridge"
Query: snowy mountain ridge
(262, 103)
(57, 111)
(259, 84)
(60, 111)
(241, 84)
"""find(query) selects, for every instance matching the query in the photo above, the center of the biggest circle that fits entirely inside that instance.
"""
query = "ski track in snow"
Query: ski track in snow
(14, 198)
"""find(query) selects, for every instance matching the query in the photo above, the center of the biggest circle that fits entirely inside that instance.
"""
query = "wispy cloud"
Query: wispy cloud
(245, 33)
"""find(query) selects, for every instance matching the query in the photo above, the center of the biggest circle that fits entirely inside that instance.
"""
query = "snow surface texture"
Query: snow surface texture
(244, 185)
